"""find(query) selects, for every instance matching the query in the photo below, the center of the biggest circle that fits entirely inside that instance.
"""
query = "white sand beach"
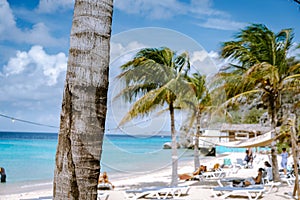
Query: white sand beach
(198, 189)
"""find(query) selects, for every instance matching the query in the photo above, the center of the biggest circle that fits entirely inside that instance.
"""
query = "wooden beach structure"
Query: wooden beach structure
(234, 132)
(233, 135)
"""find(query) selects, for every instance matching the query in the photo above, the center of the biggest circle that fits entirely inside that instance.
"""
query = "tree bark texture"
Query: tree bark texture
(196, 146)
(83, 114)
(174, 181)
(273, 110)
(292, 120)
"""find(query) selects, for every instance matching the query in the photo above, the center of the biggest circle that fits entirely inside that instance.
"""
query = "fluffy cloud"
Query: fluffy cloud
(50, 6)
(31, 87)
(202, 62)
(37, 63)
(201, 10)
(7, 21)
(37, 34)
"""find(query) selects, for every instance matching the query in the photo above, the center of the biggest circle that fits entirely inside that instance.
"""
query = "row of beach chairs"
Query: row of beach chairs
(157, 193)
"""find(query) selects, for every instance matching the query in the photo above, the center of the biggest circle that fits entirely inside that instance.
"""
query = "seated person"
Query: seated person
(216, 167)
(252, 180)
(104, 183)
(249, 157)
(268, 170)
(199, 171)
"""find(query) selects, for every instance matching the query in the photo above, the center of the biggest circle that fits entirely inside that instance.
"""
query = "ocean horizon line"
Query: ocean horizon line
(163, 134)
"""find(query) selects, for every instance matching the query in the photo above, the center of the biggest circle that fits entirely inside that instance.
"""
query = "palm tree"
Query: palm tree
(84, 102)
(157, 75)
(198, 103)
(260, 65)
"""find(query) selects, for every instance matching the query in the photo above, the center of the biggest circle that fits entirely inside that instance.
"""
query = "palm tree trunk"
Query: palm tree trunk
(294, 139)
(273, 113)
(196, 146)
(174, 181)
(84, 102)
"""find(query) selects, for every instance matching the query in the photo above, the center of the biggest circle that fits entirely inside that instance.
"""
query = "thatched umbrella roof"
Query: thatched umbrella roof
(244, 128)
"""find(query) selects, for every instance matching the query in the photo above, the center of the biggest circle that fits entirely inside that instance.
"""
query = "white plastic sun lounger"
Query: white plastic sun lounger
(102, 196)
(158, 193)
(211, 175)
(248, 191)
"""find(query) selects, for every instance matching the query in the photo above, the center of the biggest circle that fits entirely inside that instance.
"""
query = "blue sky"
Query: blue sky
(34, 41)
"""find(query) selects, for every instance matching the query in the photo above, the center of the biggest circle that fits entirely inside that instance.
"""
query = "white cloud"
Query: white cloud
(37, 61)
(7, 21)
(202, 62)
(198, 9)
(218, 60)
(50, 6)
(198, 56)
(118, 49)
(167, 8)
(38, 34)
(294, 51)
(152, 9)
(222, 24)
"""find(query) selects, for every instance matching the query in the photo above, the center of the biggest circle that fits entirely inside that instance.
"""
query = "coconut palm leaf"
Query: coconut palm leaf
(260, 64)
(155, 78)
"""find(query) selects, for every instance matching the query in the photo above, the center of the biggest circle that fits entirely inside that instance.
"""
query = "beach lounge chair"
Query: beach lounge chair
(269, 184)
(104, 186)
(226, 191)
(289, 180)
(214, 175)
(102, 196)
(240, 163)
(157, 192)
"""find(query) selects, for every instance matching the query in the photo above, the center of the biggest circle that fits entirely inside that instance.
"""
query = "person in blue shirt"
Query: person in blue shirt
(284, 159)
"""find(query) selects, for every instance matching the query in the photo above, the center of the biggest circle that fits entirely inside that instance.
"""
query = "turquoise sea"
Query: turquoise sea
(29, 157)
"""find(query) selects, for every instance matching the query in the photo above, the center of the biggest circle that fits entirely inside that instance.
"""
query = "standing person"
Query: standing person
(3, 175)
(250, 154)
(284, 158)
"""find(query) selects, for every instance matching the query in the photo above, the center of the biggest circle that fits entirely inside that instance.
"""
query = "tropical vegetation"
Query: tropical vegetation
(261, 68)
(197, 102)
(155, 78)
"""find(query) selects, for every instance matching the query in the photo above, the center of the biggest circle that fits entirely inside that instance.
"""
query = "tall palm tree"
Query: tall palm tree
(157, 75)
(84, 102)
(198, 102)
(260, 64)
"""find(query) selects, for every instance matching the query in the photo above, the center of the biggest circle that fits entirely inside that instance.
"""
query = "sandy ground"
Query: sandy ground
(199, 190)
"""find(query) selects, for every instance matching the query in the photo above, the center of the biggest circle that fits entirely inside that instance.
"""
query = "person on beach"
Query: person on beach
(103, 181)
(268, 170)
(216, 167)
(249, 157)
(252, 180)
(3, 175)
(199, 171)
(284, 158)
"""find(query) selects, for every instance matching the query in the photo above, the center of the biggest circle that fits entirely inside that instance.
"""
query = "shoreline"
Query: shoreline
(161, 177)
